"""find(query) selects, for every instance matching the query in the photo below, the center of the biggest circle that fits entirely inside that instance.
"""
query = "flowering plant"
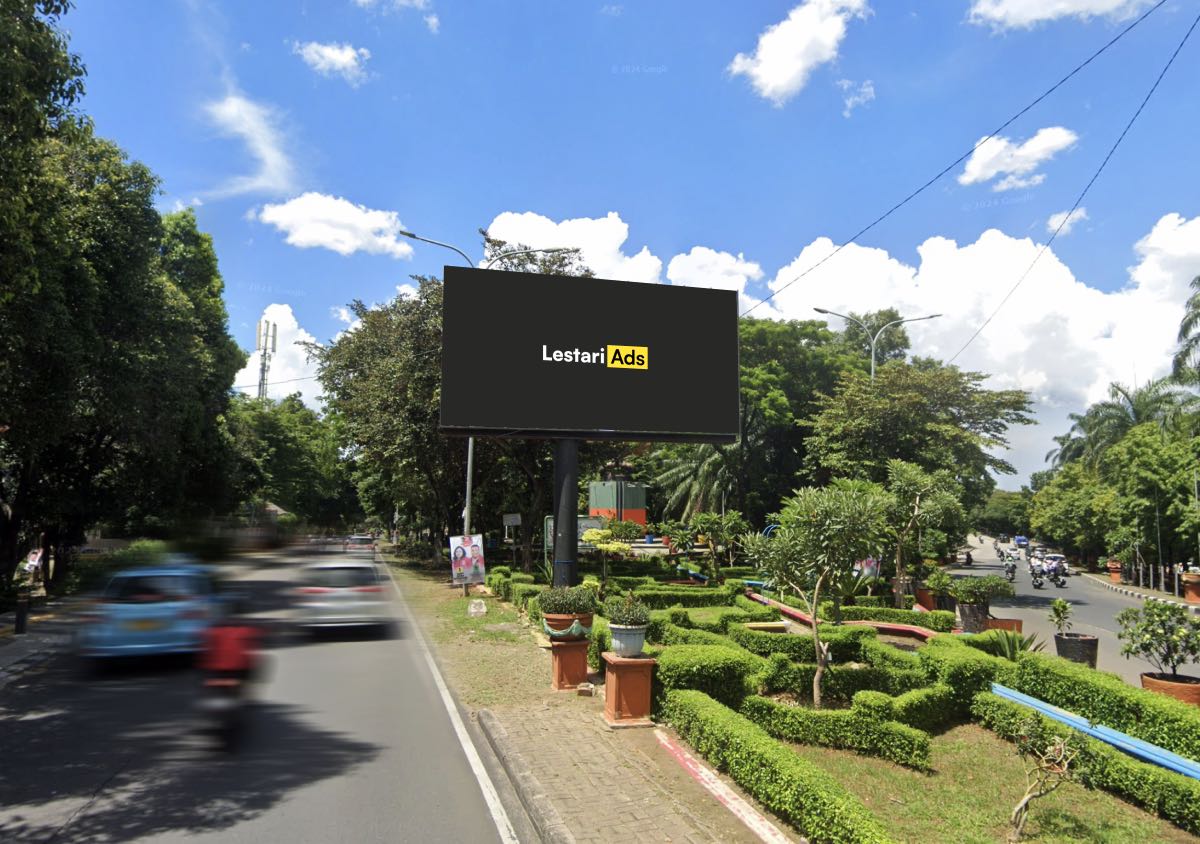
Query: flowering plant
(1165, 635)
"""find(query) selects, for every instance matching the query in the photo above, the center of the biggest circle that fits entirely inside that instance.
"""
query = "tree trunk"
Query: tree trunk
(818, 648)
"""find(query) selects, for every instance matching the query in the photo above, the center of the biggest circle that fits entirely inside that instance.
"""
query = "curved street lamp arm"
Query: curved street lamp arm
(451, 246)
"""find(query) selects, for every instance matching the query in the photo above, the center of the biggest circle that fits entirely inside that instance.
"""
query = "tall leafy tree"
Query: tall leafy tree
(893, 343)
(1161, 401)
(1186, 365)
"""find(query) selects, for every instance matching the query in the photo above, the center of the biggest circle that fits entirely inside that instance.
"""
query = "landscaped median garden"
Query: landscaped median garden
(909, 743)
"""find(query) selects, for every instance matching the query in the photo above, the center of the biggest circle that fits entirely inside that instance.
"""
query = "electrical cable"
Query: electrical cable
(962, 157)
(1066, 219)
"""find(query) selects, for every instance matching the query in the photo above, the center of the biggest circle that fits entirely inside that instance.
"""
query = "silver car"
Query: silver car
(342, 594)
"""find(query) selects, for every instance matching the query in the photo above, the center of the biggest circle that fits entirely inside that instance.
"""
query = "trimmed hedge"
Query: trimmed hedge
(521, 577)
(840, 682)
(848, 729)
(845, 643)
(788, 785)
(1106, 699)
(658, 625)
(658, 597)
(887, 600)
(754, 610)
(939, 621)
(1169, 795)
(675, 635)
(723, 672)
(875, 652)
(967, 671)
(928, 709)
(522, 592)
(600, 642)
(504, 570)
(683, 618)
(624, 584)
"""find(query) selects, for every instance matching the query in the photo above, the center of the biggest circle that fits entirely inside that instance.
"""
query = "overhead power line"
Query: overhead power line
(962, 157)
(1067, 219)
(273, 383)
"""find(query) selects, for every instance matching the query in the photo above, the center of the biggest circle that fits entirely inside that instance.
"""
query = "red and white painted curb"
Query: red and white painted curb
(707, 777)
(1133, 593)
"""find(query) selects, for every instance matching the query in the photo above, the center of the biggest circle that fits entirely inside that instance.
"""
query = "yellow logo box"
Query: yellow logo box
(628, 357)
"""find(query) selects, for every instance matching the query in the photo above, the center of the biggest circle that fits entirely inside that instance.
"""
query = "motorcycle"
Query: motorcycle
(1010, 571)
(1037, 575)
(1056, 577)
(224, 701)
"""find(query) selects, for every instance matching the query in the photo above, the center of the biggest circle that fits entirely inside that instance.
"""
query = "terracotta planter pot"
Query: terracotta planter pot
(1114, 572)
(1013, 624)
(1191, 587)
(567, 628)
(1187, 691)
(1077, 647)
(926, 598)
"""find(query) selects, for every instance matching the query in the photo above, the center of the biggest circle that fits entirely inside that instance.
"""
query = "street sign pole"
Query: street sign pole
(566, 502)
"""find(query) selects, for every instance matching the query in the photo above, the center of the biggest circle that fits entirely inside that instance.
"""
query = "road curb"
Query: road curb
(1133, 593)
(537, 803)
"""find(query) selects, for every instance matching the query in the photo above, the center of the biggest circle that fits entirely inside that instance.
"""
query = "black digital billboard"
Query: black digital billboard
(528, 355)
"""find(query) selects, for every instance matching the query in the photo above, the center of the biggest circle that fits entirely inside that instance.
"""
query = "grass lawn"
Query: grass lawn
(709, 615)
(490, 660)
(977, 780)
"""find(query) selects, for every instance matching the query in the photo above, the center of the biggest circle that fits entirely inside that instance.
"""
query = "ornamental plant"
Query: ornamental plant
(981, 590)
(1165, 635)
(939, 582)
(1060, 615)
(567, 600)
(627, 611)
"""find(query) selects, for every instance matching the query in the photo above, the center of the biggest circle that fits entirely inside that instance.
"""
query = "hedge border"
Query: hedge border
(845, 643)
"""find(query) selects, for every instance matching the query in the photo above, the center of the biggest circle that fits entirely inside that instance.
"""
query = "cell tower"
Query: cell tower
(265, 338)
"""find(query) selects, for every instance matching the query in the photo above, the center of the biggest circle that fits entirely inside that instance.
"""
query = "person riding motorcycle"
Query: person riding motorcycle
(232, 648)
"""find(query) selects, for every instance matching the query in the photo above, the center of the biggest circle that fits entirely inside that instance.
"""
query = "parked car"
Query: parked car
(162, 609)
(341, 594)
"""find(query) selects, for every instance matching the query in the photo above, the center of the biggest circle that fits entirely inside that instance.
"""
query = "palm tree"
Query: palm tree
(1162, 401)
(1186, 358)
(696, 477)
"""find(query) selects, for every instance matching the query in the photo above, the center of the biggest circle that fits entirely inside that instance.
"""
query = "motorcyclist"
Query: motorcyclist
(232, 647)
(968, 559)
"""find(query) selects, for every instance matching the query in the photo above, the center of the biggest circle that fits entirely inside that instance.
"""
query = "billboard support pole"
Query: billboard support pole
(566, 527)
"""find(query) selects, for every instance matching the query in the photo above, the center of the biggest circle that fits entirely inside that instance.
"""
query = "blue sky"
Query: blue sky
(719, 144)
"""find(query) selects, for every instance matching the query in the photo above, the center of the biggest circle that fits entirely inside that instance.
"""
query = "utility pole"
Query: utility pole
(265, 343)
(873, 338)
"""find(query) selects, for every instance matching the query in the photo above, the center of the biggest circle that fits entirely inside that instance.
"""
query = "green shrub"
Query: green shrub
(793, 788)
(1173, 797)
(567, 600)
(504, 570)
(928, 709)
(875, 652)
(981, 590)
(627, 611)
(967, 671)
(844, 643)
(723, 672)
(674, 635)
(939, 621)
(720, 625)
(600, 642)
(658, 597)
(841, 728)
(624, 584)
(754, 610)
(1106, 699)
(658, 624)
(522, 592)
(883, 601)
(1008, 644)
(679, 617)
(840, 682)
(521, 577)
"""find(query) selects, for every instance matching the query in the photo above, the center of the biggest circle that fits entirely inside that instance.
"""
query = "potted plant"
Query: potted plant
(567, 612)
(974, 596)
(1077, 647)
(1191, 584)
(628, 619)
(1114, 569)
(938, 583)
(1167, 636)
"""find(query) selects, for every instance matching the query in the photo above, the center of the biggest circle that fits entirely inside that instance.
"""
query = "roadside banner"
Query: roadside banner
(466, 559)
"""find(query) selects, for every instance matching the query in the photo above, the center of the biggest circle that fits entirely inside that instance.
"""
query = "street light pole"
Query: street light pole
(487, 266)
(873, 338)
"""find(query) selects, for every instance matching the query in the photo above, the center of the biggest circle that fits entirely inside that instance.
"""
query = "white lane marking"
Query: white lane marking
(743, 811)
(504, 827)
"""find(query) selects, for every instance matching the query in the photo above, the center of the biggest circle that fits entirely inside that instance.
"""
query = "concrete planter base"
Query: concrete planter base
(1077, 647)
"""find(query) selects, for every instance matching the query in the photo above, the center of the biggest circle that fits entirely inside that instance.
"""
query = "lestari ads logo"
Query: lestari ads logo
(613, 356)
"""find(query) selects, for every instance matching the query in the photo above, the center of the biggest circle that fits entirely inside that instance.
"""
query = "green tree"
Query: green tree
(893, 343)
(1076, 510)
(823, 533)
(1005, 512)
(934, 416)
(1105, 423)
(919, 500)
(1186, 365)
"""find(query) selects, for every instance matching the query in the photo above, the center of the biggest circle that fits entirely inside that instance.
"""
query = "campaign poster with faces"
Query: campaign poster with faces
(466, 559)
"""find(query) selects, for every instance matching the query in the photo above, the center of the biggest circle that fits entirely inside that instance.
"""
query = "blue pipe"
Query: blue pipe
(1143, 750)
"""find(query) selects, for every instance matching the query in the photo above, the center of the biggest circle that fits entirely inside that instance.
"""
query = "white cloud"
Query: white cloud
(1010, 14)
(788, 52)
(344, 60)
(433, 23)
(1065, 219)
(598, 239)
(342, 314)
(704, 267)
(317, 219)
(1061, 339)
(289, 363)
(257, 126)
(613, 10)
(1015, 162)
(407, 291)
(855, 97)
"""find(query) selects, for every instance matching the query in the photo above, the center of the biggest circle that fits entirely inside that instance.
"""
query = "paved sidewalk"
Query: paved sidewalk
(1139, 592)
(614, 785)
(48, 632)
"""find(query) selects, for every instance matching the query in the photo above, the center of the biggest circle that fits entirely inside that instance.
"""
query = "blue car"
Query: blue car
(153, 610)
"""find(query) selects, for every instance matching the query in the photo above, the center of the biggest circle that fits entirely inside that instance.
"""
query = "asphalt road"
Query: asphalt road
(1095, 609)
(349, 741)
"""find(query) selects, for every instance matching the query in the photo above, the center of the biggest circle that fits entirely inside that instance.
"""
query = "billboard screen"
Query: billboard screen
(528, 355)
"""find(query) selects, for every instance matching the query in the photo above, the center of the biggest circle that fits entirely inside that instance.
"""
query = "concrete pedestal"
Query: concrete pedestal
(569, 664)
(627, 683)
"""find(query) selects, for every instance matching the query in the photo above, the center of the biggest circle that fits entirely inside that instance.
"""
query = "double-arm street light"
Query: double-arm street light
(486, 266)
(874, 338)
